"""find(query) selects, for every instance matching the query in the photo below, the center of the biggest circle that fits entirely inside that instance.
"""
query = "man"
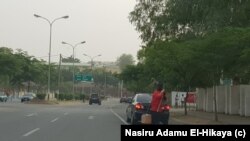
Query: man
(158, 97)
(176, 101)
(182, 100)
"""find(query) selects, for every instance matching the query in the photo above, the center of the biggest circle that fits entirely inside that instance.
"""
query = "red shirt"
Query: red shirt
(157, 97)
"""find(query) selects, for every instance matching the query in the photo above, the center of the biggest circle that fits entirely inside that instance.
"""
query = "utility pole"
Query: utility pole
(105, 79)
(121, 88)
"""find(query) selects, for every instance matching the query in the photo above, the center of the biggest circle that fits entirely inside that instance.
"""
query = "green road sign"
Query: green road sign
(78, 77)
(87, 78)
(84, 78)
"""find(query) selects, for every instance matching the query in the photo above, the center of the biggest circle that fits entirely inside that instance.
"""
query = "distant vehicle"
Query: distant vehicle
(28, 97)
(129, 99)
(94, 98)
(141, 104)
(123, 99)
(3, 97)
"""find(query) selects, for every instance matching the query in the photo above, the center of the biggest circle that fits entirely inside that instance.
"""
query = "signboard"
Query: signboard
(84, 78)
(78, 77)
(87, 78)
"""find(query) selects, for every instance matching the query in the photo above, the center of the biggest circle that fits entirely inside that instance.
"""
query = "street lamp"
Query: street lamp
(50, 25)
(73, 47)
(92, 63)
(92, 58)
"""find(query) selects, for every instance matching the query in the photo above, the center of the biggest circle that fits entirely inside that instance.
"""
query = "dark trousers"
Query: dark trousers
(158, 118)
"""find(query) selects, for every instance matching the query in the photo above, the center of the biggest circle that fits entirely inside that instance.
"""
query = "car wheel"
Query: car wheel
(90, 103)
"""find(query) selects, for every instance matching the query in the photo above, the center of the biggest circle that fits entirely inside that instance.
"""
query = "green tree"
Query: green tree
(136, 78)
(19, 67)
(171, 19)
(125, 60)
(9, 65)
(70, 60)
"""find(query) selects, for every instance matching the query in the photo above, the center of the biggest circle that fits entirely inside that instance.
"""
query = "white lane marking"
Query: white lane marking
(65, 114)
(119, 117)
(32, 114)
(91, 117)
(54, 120)
(31, 132)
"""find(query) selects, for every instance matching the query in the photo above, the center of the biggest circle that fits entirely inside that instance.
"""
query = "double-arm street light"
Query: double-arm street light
(50, 37)
(73, 47)
(92, 63)
(91, 59)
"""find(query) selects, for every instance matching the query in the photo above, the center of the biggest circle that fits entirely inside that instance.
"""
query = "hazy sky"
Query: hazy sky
(103, 24)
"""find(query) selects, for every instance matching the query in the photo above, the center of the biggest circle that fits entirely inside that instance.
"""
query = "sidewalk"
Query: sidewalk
(207, 118)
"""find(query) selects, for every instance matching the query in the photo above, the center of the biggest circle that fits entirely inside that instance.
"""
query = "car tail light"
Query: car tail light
(138, 106)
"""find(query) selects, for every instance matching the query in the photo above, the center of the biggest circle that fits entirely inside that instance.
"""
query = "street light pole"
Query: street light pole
(105, 80)
(50, 37)
(92, 59)
(73, 47)
(92, 63)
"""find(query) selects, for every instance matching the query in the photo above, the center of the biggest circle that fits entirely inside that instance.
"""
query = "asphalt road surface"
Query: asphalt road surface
(80, 122)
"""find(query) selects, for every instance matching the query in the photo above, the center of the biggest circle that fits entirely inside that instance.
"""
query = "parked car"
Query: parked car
(94, 98)
(28, 97)
(3, 97)
(139, 105)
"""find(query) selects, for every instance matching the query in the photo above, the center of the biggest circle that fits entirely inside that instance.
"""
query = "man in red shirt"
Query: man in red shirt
(158, 97)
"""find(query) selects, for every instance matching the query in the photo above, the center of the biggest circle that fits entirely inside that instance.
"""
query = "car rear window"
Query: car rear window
(94, 95)
(144, 98)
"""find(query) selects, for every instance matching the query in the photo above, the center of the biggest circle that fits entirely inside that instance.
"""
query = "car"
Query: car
(3, 97)
(140, 104)
(123, 99)
(94, 98)
(129, 99)
(28, 97)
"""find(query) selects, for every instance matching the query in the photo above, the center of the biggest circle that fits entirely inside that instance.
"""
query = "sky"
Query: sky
(102, 24)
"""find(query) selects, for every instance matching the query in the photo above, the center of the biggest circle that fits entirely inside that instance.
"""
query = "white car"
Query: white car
(3, 97)
(28, 97)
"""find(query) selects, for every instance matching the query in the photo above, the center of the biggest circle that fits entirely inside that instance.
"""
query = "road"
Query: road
(37, 122)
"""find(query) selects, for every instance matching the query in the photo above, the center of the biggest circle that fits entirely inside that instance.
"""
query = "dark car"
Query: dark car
(129, 99)
(27, 97)
(123, 99)
(3, 97)
(94, 98)
(139, 105)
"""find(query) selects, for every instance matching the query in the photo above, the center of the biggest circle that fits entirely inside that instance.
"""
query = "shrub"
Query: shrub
(41, 96)
(68, 97)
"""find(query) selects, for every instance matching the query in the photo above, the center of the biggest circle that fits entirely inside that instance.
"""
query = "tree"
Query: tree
(136, 78)
(29, 70)
(9, 65)
(70, 60)
(189, 39)
(181, 19)
(19, 68)
(125, 60)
